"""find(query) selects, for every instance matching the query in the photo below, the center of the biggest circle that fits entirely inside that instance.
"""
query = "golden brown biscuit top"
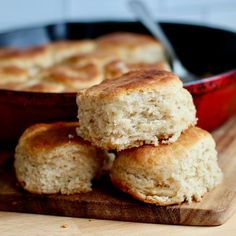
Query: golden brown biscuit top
(147, 66)
(99, 58)
(23, 53)
(77, 77)
(119, 67)
(14, 70)
(67, 44)
(148, 155)
(78, 72)
(43, 86)
(124, 39)
(58, 78)
(26, 58)
(61, 50)
(134, 80)
(9, 53)
(5, 51)
(42, 137)
(17, 86)
(9, 74)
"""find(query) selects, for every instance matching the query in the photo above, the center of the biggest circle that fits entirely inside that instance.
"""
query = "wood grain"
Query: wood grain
(20, 224)
(106, 202)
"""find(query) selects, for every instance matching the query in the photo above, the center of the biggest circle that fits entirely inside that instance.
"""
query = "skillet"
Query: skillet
(203, 50)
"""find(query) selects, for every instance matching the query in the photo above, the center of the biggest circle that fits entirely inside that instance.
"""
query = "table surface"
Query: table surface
(28, 224)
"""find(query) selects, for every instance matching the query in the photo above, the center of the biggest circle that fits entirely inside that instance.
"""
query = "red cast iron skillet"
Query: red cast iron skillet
(203, 50)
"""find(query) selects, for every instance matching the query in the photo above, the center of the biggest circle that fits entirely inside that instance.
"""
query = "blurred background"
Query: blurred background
(20, 13)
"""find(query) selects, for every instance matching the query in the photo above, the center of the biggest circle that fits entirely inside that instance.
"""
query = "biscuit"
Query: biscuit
(41, 86)
(31, 58)
(99, 58)
(140, 107)
(169, 174)
(118, 68)
(50, 158)
(55, 79)
(12, 74)
(61, 50)
(72, 77)
(81, 62)
(15, 86)
(5, 51)
(132, 47)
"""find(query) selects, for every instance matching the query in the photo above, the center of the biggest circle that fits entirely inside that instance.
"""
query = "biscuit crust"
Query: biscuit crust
(133, 81)
(132, 47)
(118, 68)
(169, 174)
(51, 158)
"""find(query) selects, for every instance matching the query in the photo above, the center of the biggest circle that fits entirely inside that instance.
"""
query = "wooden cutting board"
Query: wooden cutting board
(106, 202)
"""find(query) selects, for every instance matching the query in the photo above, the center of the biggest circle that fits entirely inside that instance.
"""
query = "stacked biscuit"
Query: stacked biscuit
(68, 66)
(141, 111)
(50, 158)
(148, 118)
